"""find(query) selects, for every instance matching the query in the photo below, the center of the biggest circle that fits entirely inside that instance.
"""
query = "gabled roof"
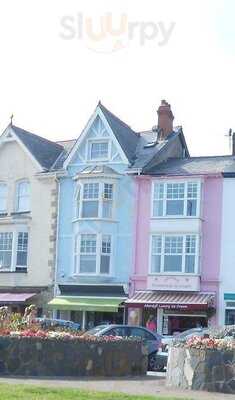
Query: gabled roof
(195, 166)
(43, 150)
(126, 137)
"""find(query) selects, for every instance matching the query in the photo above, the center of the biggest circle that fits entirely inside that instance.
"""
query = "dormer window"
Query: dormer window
(98, 150)
(23, 196)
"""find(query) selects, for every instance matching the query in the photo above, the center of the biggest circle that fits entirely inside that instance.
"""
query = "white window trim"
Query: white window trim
(78, 213)
(76, 269)
(17, 195)
(163, 236)
(98, 140)
(13, 266)
(6, 185)
(165, 182)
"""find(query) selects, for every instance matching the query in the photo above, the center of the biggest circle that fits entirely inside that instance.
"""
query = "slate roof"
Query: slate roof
(136, 145)
(195, 166)
(43, 150)
(126, 137)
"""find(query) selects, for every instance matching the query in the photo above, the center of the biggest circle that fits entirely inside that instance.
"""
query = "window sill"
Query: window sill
(174, 274)
(95, 219)
(20, 213)
(177, 217)
(90, 275)
(21, 271)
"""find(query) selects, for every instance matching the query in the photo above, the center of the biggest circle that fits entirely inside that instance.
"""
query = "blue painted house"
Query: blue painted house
(97, 216)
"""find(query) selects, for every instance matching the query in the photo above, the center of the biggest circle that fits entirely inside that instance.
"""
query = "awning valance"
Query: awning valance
(9, 298)
(86, 304)
(172, 300)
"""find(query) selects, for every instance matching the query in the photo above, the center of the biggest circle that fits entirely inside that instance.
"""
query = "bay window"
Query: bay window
(90, 203)
(88, 254)
(174, 254)
(13, 250)
(93, 254)
(176, 199)
(95, 200)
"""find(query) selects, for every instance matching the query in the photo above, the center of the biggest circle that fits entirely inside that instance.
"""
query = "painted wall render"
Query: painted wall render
(208, 226)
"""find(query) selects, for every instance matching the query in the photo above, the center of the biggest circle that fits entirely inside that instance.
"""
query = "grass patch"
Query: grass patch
(25, 392)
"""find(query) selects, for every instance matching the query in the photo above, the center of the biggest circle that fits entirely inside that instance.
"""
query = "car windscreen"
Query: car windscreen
(95, 330)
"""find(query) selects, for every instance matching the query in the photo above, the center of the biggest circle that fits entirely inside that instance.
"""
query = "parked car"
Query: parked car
(48, 322)
(182, 337)
(156, 359)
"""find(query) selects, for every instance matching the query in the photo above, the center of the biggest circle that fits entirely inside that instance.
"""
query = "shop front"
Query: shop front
(173, 312)
(17, 301)
(229, 305)
(90, 305)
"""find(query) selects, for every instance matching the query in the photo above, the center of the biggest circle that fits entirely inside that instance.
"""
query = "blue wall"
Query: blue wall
(121, 228)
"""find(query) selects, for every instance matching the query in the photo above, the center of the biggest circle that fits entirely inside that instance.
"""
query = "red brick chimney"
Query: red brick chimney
(165, 120)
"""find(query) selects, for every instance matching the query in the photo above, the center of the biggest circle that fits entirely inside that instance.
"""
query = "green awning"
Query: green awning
(86, 303)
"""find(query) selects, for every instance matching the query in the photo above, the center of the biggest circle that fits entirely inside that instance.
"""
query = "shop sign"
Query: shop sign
(173, 282)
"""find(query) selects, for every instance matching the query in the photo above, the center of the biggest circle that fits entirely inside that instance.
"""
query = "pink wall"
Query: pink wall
(142, 233)
(210, 234)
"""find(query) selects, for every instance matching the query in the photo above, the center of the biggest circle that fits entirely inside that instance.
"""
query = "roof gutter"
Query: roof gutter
(134, 171)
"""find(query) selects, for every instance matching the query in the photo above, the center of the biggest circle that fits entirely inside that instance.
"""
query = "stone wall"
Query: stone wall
(36, 357)
(197, 369)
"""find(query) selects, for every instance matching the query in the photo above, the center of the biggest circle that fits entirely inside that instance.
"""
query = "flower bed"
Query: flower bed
(203, 363)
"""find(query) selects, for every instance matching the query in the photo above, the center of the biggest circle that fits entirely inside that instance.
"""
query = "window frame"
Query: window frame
(101, 200)
(77, 254)
(185, 199)
(15, 236)
(89, 146)
(20, 267)
(183, 264)
(18, 183)
(2, 183)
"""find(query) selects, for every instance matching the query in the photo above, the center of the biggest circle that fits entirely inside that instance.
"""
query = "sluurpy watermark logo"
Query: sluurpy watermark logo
(110, 33)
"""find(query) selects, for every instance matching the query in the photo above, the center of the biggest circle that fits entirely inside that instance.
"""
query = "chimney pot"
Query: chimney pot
(165, 120)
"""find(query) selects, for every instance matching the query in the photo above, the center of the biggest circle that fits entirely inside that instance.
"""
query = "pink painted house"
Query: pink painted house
(177, 244)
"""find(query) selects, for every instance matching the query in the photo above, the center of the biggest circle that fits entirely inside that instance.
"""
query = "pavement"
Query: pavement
(153, 384)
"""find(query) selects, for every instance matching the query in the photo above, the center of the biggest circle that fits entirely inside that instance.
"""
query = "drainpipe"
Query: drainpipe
(57, 241)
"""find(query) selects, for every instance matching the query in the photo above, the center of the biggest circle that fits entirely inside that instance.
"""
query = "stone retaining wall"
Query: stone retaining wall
(196, 369)
(36, 357)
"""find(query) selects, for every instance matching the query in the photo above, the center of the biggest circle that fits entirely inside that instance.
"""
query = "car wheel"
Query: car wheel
(152, 362)
(154, 365)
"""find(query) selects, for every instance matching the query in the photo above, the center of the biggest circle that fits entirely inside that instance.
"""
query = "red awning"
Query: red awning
(9, 298)
(172, 300)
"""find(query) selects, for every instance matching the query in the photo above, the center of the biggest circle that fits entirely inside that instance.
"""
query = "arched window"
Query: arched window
(3, 197)
(23, 196)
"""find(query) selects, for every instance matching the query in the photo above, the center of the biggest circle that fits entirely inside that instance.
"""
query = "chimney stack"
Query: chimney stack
(165, 120)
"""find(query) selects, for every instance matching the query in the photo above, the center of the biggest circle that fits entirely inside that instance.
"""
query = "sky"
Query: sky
(54, 68)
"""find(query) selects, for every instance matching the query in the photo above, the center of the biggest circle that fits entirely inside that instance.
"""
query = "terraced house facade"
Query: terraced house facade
(97, 213)
(28, 210)
(117, 225)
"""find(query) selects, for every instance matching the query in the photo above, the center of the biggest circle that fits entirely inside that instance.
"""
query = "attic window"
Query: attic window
(99, 150)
